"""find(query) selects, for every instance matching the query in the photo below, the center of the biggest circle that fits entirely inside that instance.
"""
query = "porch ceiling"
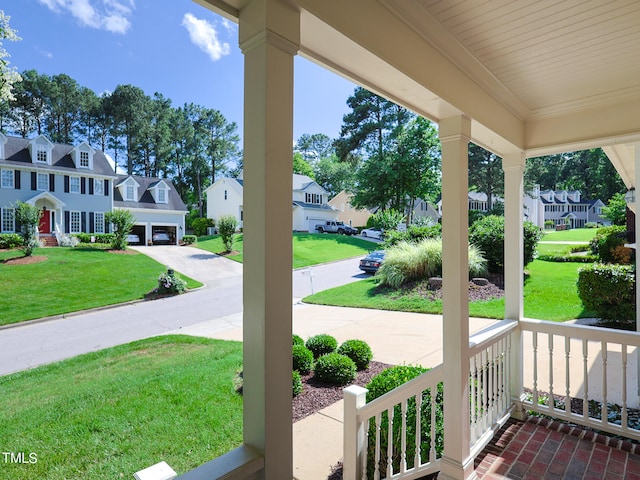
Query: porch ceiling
(539, 76)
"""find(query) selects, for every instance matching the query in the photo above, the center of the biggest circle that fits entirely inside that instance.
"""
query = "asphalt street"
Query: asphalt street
(29, 345)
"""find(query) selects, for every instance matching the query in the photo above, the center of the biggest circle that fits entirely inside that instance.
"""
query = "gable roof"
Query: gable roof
(17, 155)
(145, 198)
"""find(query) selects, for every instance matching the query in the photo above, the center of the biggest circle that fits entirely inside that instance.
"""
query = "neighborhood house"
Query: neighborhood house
(310, 202)
(76, 186)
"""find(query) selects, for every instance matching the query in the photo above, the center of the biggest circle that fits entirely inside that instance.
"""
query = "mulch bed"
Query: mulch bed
(317, 395)
(25, 260)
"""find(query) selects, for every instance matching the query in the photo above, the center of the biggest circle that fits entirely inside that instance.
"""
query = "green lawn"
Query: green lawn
(308, 248)
(549, 294)
(73, 279)
(111, 413)
(583, 235)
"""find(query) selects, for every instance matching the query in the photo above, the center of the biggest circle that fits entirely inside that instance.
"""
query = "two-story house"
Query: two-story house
(75, 186)
(562, 207)
(310, 202)
(72, 185)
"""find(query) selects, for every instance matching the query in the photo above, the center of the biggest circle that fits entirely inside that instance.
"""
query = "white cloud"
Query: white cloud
(110, 15)
(204, 35)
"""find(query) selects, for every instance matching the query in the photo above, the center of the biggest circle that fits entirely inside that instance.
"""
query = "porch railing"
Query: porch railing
(581, 374)
(399, 435)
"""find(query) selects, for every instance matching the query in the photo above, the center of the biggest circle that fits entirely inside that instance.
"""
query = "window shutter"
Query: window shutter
(92, 224)
(91, 186)
(52, 182)
(33, 181)
(83, 222)
(66, 219)
(66, 185)
(16, 181)
(106, 187)
(83, 185)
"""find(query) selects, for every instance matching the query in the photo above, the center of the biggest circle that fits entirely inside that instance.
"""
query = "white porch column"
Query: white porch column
(454, 135)
(636, 185)
(513, 165)
(269, 38)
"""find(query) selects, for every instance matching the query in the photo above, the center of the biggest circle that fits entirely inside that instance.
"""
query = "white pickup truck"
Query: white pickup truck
(336, 227)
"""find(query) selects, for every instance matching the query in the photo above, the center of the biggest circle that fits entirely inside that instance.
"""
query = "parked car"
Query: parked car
(132, 238)
(372, 233)
(161, 237)
(336, 227)
(371, 263)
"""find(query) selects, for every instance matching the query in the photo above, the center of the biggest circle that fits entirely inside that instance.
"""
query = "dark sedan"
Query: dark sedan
(372, 262)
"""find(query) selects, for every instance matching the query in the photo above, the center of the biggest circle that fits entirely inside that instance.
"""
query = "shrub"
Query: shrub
(606, 241)
(227, 225)
(297, 340)
(321, 345)
(591, 225)
(413, 234)
(297, 383)
(387, 220)
(69, 241)
(406, 262)
(358, 351)
(385, 382)
(200, 225)
(608, 291)
(302, 358)
(10, 240)
(335, 369)
(189, 239)
(548, 224)
(122, 221)
(28, 216)
(97, 237)
(169, 283)
(487, 234)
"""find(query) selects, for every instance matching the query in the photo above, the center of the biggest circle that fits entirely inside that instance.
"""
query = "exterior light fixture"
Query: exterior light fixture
(630, 198)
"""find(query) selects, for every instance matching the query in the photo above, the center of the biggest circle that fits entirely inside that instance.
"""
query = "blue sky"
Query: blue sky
(175, 47)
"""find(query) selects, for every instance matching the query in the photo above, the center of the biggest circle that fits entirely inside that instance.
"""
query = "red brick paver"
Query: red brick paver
(541, 449)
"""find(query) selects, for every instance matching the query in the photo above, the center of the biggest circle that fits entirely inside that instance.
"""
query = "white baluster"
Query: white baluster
(390, 443)
(585, 374)
(484, 385)
(418, 456)
(473, 388)
(551, 402)
(376, 470)
(403, 438)
(434, 406)
(567, 354)
(623, 419)
(535, 369)
(603, 350)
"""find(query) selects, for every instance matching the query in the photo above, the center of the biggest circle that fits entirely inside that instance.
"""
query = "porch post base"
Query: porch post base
(453, 470)
(518, 412)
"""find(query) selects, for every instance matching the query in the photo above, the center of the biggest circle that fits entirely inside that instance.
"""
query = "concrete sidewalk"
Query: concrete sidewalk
(395, 338)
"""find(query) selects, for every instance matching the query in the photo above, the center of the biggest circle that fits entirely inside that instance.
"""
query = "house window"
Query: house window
(74, 222)
(7, 178)
(8, 220)
(42, 154)
(84, 159)
(313, 198)
(162, 195)
(225, 194)
(74, 184)
(43, 182)
(98, 187)
(129, 193)
(98, 222)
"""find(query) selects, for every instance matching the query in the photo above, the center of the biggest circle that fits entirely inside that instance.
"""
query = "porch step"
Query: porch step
(49, 240)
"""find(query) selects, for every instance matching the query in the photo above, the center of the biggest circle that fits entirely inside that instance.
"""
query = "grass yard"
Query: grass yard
(111, 413)
(549, 294)
(73, 279)
(582, 235)
(308, 248)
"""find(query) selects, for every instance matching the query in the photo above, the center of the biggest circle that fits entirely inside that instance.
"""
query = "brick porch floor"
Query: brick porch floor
(543, 449)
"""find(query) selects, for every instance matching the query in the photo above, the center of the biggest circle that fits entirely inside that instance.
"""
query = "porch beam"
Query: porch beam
(269, 38)
(456, 462)
(513, 165)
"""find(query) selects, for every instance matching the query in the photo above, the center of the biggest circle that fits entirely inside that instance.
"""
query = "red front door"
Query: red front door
(45, 221)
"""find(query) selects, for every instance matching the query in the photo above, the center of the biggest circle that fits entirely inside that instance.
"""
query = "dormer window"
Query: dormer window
(313, 198)
(42, 154)
(84, 159)
(129, 193)
(162, 195)
(129, 190)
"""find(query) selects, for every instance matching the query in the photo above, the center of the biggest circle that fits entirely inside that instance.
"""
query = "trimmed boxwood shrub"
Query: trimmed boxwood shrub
(487, 233)
(385, 382)
(302, 358)
(297, 340)
(321, 344)
(297, 383)
(358, 351)
(609, 291)
(189, 239)
(607, 243)
(335, 369)
(10, 240)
